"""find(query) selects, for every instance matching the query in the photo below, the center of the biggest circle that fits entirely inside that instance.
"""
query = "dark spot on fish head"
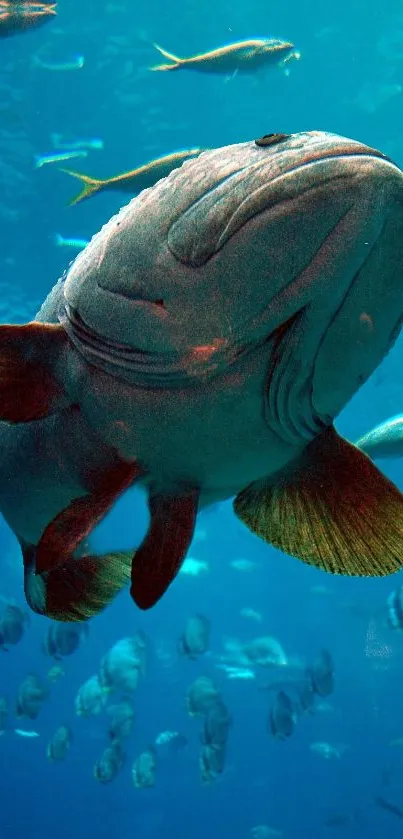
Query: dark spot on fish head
(271, 139)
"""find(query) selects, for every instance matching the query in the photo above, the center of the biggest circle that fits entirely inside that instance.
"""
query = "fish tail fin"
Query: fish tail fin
(176, 61)
(79, 589)
(169, 55)
(91, 186)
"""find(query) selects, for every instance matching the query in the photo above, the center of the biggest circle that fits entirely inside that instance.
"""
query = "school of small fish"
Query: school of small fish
(109, 694)
(105, 705)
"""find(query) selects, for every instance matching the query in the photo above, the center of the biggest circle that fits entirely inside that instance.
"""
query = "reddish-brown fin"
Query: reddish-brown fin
(335, 511)
(77, 590)
(160, 556)
(29, 389)
(63, 535)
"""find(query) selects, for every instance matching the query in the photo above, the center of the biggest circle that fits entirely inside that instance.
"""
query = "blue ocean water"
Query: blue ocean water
(349, 80)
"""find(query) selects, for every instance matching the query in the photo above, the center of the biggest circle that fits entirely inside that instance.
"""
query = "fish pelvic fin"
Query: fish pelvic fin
(29, 389)
(90, 188)
(336, 511)
(77, 590)
(160, 556)
(176, 61)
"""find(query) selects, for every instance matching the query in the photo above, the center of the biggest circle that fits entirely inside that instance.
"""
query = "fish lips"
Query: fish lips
(275, 175)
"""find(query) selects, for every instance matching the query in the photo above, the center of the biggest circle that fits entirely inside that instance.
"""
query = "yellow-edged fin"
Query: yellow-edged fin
(176, 61)
(335, 511)
(91, 186)
(79, 589)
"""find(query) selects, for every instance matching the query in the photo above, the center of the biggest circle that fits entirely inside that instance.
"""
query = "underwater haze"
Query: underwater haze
(296, 730)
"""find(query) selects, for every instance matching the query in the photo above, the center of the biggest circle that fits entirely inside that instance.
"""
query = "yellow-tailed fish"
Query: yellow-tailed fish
(241, 57)
(134, 181)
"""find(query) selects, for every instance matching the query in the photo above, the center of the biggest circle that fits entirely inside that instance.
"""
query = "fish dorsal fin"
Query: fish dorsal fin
(176, 62)
(160, 556)
(335, 511)
(218, 197)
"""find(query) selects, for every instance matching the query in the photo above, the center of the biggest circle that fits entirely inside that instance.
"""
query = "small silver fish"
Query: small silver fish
(59, 142)
(77, 244)
(44, 159)
(76, 63)
(28, 734)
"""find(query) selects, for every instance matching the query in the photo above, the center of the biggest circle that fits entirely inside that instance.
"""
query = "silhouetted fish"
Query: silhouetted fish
(389, 806)
(282, 716)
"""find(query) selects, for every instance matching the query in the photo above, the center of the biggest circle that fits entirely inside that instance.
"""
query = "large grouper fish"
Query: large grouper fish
(200, 347)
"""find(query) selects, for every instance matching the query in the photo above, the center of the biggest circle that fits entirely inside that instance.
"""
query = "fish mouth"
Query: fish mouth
(273, 177)
(335, 154)
(317, 146)
(134, 306)
(339, 150)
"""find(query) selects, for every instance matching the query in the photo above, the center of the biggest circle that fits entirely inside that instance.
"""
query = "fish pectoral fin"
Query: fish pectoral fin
(91, 186)
(67, 587)
(176, 61)
(160, 556)
(29, 389)
(336, 511)
(77, 590)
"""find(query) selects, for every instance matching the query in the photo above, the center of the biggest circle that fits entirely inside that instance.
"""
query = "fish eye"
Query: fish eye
(271, 139)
